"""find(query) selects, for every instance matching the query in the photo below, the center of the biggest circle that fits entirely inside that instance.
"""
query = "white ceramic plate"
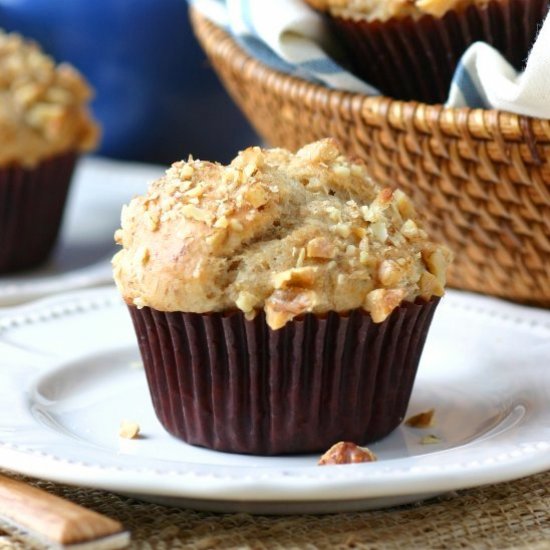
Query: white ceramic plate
(83, 253)
(69, 376)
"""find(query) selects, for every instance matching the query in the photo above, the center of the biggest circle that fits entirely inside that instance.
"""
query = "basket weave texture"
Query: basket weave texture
(480, 177)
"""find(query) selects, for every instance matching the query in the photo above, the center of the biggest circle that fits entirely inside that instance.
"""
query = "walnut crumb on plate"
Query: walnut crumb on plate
(346, 453)
(430, 440)
(128, 430)
(421, 420)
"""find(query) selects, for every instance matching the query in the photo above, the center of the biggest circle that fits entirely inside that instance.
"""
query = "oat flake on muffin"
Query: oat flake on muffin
(288, 233)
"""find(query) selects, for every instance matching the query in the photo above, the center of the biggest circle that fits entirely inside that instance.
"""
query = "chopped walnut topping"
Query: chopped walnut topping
(286, 233)
(421, 420)
(139, 302)
(404, 205)
(319, 152)
(359, 232)
(342, 171)
(389, 273)
(381, 302)
(284, 305)
(409, 229)
(429, 286)
(320, 247)
(334, 214)
(215, 239)
(187, 171)
(196, 192)
(301, 257)
(256, 196)
(249, 160)
(191, 211)
(379, 231)
(152, 221)
(303, 277)
(221, 223)
(346, 453)
(143, 255)
(342, 230)
(246, 301)
(437, 261)
(236, 225)
(351, 250)
(364, 257)
(128, 430)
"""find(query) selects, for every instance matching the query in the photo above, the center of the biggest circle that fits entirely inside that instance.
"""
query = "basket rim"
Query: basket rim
(470, 123)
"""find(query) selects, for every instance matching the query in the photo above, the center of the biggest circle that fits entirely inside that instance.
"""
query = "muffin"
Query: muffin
(44, 126)
(409, 49)
(281, 302)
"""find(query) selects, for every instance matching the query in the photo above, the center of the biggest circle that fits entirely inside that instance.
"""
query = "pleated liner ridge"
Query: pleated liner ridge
(415, 59)
(32, 201)
(222, 382)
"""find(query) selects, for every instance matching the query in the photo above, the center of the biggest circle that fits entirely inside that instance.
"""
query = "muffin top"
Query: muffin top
(42, 106)
(383, 10)
(291, 234)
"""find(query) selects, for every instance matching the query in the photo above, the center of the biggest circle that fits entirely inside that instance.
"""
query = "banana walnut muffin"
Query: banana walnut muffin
(44, 125)
(238, 277)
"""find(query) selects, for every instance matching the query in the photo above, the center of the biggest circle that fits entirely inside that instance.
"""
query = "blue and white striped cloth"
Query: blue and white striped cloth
(290, 37)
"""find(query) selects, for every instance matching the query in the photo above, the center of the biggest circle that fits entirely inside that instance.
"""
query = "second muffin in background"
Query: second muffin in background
(45, 125)
(281, 303)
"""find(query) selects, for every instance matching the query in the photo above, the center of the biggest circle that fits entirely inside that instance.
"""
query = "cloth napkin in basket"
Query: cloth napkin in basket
(290, 37)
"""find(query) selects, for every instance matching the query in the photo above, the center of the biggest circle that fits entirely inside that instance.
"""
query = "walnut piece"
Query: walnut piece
(345, 452)
(421, 420)
(320, 247)
(128, 430)
(284, 305)
(381, 302)
(303, 277)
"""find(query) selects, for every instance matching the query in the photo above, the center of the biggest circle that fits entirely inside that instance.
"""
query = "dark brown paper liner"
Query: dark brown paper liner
(31, 208)
(222, 382)
(415, 59)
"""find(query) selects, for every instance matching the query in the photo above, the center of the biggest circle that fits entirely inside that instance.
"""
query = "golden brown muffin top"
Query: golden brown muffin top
(286, 233)
(383, 10)
(43, 107)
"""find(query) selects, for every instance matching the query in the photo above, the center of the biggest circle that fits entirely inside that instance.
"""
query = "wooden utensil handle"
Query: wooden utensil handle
(57, 519)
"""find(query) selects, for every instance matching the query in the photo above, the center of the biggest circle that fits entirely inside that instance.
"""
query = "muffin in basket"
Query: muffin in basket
(409, 49)
(44, 126)
(281, 303)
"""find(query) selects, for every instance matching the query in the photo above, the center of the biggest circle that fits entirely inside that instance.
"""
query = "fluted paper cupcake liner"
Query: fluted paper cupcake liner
(222, 382)
(32, 201)
(412, 59)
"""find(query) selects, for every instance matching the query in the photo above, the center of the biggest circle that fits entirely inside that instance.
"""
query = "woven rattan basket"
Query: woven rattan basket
(482, 177)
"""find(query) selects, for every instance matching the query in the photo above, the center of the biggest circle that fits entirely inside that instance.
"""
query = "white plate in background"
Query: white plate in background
(82, 256)
(69, 377)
